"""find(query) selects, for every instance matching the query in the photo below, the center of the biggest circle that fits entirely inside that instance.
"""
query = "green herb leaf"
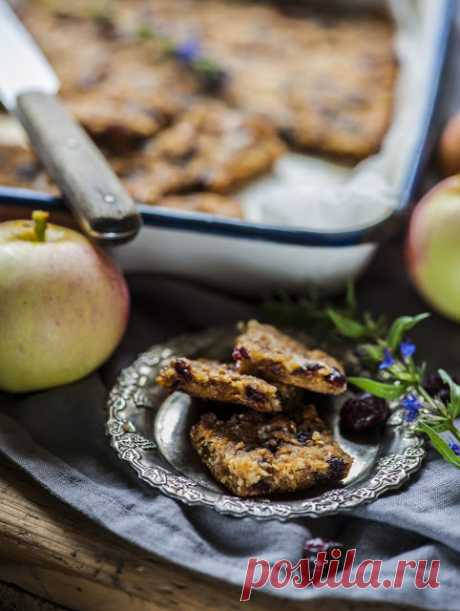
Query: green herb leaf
(145, 32)
(400, 327)
(379, 389)
(347, 326)
(440, 426)
(374, 352)
(453, 406)
(439, 444)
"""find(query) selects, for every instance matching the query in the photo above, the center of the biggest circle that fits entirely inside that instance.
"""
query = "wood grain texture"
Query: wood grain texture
(100, 203)
(13, 598)
(53, 552)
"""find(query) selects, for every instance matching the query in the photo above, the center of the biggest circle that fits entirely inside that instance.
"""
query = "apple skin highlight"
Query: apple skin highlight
(64, 307)
(433, 247)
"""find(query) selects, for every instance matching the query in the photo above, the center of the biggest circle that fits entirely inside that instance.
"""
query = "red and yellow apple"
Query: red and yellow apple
(433, 247)
(64, 305)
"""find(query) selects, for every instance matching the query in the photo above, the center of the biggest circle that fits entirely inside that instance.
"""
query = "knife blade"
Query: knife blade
(29, 90)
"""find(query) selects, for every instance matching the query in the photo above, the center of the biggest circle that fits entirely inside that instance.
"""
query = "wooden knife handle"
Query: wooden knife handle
(103, 209)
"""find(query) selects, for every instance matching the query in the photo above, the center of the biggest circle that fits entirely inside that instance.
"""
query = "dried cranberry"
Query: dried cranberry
(240, 353)
(308, 368)
(183, 370)
(262, 487)
(336, 469)
(254, 395)
(363, 413)
(436, 387)
(336, 378)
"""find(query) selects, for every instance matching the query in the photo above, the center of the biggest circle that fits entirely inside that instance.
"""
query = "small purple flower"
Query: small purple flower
(188, 51)
(407, 350)
(412, 406)
(388, 360)
(455, 447)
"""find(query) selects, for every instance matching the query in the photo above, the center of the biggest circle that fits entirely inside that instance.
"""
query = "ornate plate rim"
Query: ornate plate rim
(128, 395)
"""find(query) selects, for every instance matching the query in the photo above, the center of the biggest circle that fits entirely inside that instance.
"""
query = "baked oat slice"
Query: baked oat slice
(264, 351)
(222, 382)
(342, 103)
(255, 454)
(212, 147)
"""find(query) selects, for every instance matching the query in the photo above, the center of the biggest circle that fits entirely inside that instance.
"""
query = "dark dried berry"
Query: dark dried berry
(303, 437)
(336, 469)
(436, 387)
(254, 395)
(364, 413)
(240, 353)
(336, 378)
(183, 370)
(308, 368)
(262, 487)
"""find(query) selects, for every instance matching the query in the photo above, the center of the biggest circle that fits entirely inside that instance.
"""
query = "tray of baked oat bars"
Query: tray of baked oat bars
(269, 144)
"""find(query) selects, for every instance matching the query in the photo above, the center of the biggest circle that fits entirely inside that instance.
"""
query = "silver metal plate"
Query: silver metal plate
(151, 433)
(23, 67)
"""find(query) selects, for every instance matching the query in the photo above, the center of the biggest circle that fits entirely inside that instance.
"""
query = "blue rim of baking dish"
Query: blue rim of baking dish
(162, 218)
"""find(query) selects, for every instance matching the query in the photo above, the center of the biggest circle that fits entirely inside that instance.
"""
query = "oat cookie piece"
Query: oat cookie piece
(222, 382)
(211, 147)
(255, 454)
(264, 351)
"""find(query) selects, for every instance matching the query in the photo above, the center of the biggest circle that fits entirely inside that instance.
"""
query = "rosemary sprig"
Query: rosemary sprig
(388, 355)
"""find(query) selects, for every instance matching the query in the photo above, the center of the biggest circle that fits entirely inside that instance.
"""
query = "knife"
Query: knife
(28, 89)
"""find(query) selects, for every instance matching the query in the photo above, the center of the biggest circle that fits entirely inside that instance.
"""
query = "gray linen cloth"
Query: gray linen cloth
(58, 438)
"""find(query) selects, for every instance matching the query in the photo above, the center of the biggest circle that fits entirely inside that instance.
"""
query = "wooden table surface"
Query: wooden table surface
(52, 557)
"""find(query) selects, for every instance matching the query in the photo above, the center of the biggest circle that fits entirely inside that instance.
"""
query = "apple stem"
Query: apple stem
(40, 218)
